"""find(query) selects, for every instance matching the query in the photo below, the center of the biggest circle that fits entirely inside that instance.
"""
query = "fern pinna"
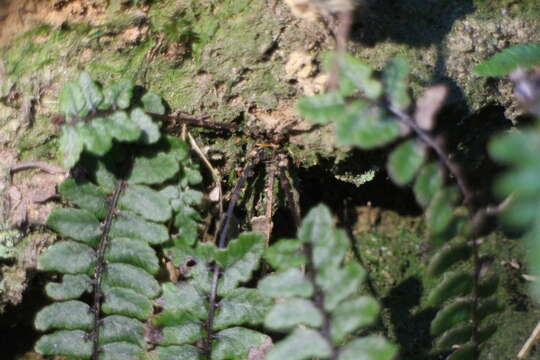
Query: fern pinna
(371, 112)
(124, 203)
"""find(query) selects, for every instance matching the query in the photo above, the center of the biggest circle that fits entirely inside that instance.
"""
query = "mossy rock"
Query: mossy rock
(228, 59)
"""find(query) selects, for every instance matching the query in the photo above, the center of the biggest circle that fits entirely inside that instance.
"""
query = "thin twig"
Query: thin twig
(271, 175)
(344, 27)
(200, 121)
(287, 188)
(530, 342)
(341, 37)
(100, 264)
(215, 174)
(497, 209)
(48, 168)
(221, 244)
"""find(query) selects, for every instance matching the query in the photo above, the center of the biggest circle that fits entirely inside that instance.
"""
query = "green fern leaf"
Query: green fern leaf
(95, 136)
(339, 283)
(332, 299)
(289, 283)
(122, 128)
(71, 146)
(427, 184)
(239, 260)
(146, 202)
(126, 302)
(323, 108)
(518, 56)
(395, 82)
(67, 315)
(293, 312)
(447, 257)
(131, 277)
(91, 91)
(68, 257)
(440, 212)
(454, 284)
(118, 94)
(285, 254)
(184, 297)
(451, 315)
(237, 343)
(73, 344)
(361, 75)
(241, 307)
(369, 348)
(489, 307)
(366, 126)
(134, 252)
(465, 352)
(405, 161)
(182, 334)
(71, 287)
(152, 103)
(302, 344)
(85, 195)
(150, 130)
(153, 168)
(132, 226)
(72, 100)
(76, 224)
(116, 328)
(488, 287)
(120, 351)
(186, 352)
(351, 315)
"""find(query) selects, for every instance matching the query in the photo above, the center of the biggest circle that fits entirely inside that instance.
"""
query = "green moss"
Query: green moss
(111, 63)
(521, 313)
(41, 46)
(492, 8)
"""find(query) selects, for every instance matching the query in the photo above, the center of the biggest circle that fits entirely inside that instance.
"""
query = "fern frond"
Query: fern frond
(322, 306)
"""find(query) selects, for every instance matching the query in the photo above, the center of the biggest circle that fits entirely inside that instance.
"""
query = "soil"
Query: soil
(18, 16)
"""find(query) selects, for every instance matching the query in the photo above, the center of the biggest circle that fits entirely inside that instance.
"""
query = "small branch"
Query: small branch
(341, 37)
(215, 174)
(48, 168)
(530, 342)
(100, 264)
(200, 121)
(496, 210)
(221, 244)
(271, 175)
(344, 27)
(286, 187)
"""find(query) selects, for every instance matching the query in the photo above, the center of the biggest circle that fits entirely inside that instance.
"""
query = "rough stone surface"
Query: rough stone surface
(245, 61)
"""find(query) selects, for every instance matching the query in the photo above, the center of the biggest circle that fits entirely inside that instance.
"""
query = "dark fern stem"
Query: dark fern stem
(100, 266)
(222, 243)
